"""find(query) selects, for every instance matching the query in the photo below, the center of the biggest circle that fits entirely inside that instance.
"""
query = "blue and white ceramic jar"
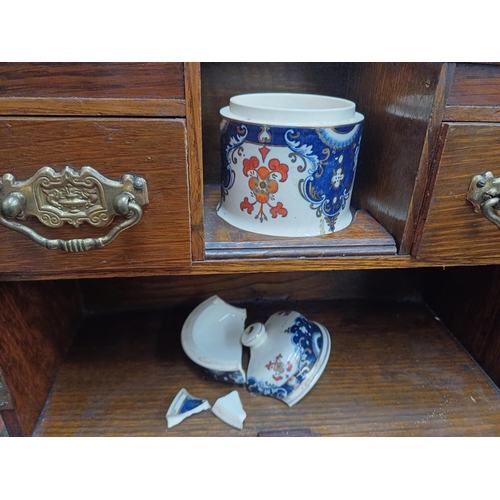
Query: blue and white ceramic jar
(288, 163)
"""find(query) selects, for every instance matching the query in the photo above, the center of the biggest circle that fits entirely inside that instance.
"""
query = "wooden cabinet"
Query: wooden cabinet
(103, 332)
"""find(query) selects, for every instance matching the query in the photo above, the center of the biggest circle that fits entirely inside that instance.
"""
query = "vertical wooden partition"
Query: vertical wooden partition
(37, 324)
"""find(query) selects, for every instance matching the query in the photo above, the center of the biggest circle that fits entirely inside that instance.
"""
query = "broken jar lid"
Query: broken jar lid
(287, 356)
(211, 337)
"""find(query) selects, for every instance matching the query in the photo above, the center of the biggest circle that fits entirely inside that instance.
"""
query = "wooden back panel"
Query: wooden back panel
(398, 101)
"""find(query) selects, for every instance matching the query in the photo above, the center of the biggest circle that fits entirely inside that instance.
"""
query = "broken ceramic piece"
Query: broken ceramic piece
(287, 356)
(183, 406)
(230, 410)
(211, 337)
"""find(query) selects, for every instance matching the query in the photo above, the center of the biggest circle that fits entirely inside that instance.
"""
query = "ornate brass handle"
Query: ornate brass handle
(484, 194)
(73, 197)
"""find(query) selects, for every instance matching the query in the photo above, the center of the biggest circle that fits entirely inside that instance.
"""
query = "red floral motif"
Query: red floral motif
(250, 164)
(279, 368)
(278, 209)
(275, 165)
(246, 205)
(263, 183)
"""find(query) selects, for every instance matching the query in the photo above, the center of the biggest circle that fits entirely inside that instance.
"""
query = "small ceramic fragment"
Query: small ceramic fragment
(184, 405)
(230, 410)
(211, 338)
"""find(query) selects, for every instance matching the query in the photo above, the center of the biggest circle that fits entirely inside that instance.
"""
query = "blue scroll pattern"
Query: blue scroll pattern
(308, 341)
(232, 141)
(330, 157)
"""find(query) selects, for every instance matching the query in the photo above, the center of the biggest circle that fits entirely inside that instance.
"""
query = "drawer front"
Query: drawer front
(452, 229)
(92, 80)
(154, 149)
(474, 93)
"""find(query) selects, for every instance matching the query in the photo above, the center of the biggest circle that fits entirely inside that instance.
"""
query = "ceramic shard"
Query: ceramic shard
(230, 410)
(184, 405)
(211, 338)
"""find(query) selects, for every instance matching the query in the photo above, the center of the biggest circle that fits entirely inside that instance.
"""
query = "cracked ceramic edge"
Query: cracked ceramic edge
(183, 406)
(318, 369)
(230, 371)
(230, 410)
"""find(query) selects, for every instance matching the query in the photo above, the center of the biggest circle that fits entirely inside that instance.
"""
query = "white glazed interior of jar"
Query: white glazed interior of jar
(306, 110)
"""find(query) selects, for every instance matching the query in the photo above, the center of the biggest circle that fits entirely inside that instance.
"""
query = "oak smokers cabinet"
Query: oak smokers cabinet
(89, 340)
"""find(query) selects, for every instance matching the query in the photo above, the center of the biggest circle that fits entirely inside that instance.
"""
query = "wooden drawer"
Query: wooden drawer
(109, 89)
(452, 229)
(474, 93)
(152, 148)
(87, 80)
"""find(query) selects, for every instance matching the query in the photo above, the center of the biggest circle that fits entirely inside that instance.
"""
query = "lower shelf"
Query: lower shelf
(393, 371)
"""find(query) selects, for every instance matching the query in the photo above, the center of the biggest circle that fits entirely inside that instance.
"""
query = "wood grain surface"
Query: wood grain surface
(195, 158)
(38, 322)
(93, 80)
(474, 93)
(429, 160)
(393, 371)
(122, 294)
(452, 230)
(89, 106)
(398, 101)
(467, 299)
(153, 148)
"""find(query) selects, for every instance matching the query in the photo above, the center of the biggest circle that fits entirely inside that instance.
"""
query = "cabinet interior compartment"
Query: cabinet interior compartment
(395, 369)
(398, 101)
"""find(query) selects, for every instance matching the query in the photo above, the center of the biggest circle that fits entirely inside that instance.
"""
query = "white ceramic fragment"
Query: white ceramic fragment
(287, 356)
(184, 405)
(211, 338)
(230, 410)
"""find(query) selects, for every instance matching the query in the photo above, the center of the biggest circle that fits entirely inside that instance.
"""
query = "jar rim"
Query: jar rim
(296, 109)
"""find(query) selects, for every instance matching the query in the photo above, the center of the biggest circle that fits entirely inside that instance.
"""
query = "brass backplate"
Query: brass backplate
(73, 196)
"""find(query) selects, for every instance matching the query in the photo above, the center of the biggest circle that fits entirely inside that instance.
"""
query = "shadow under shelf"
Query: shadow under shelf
(363, 237)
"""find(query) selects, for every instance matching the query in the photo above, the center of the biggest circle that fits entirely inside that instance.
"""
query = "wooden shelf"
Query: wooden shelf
(363, 237)
(394, 371)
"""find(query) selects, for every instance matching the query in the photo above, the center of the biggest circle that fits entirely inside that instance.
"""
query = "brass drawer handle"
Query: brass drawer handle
(73, 197)
(484, 194)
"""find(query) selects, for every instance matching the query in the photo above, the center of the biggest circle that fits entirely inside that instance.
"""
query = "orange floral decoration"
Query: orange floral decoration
(264, 185)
